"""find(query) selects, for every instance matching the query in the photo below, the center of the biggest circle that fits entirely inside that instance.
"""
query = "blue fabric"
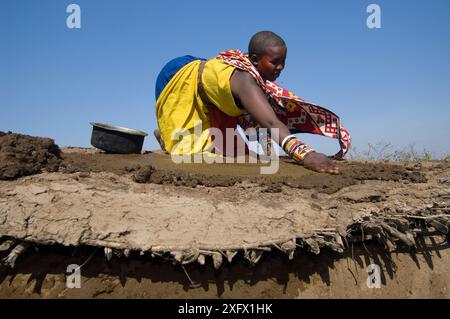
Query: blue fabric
(169, 70)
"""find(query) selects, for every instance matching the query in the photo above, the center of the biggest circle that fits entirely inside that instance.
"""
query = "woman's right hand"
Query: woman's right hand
(320, 163)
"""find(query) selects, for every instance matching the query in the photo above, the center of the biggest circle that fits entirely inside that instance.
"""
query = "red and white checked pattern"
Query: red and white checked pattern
(284, 102)
(296, 120)
(345, 140)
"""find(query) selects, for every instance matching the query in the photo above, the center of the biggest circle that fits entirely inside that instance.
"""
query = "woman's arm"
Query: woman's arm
(254, 101)
(252, 98)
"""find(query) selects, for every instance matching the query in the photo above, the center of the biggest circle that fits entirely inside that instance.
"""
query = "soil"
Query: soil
(22, 155)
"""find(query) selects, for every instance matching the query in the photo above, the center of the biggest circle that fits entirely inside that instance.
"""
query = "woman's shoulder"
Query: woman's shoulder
(218, 63)
(243, 78)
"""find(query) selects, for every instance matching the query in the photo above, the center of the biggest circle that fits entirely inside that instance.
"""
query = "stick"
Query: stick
(10, 260)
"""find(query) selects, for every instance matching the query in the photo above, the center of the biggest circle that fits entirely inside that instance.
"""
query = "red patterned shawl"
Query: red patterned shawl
(297, 114)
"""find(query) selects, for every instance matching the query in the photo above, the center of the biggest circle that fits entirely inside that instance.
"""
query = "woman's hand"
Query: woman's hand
(320, 163)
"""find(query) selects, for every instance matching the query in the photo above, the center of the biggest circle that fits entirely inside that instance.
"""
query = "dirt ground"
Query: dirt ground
(230, 231)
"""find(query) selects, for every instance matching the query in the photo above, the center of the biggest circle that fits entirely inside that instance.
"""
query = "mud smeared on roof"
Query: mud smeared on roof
(175, 212)
(158, 168)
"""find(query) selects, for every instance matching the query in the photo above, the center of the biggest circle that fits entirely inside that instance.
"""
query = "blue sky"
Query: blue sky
(389, 84)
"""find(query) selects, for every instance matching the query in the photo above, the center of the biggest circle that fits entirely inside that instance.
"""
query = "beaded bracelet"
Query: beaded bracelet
(295, 148)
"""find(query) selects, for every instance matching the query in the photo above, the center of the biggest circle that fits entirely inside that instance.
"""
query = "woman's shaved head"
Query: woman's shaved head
(261, 41)
(267, 52)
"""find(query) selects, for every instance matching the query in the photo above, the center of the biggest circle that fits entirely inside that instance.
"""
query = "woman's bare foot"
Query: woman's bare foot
(320, 163)
(157, 135)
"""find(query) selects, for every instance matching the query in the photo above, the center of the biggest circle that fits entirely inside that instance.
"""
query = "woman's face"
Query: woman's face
(271, 63)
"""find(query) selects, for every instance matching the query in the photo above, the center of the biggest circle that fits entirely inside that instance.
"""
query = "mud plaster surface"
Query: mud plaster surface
(159, 168)
(101, 205)
(147, 203)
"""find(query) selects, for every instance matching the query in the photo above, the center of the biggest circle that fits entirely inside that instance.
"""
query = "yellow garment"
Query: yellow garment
(181, 114)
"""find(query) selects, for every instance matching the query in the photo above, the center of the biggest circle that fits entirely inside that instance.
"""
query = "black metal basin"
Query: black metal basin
(117, 139)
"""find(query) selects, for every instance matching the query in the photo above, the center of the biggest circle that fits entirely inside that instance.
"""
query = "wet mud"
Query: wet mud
(159, 169)
(22, 155)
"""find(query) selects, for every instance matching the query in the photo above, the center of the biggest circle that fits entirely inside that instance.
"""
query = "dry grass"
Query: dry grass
(387, 152)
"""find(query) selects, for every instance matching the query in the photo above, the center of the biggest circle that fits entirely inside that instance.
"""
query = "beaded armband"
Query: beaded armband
(296, 149)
